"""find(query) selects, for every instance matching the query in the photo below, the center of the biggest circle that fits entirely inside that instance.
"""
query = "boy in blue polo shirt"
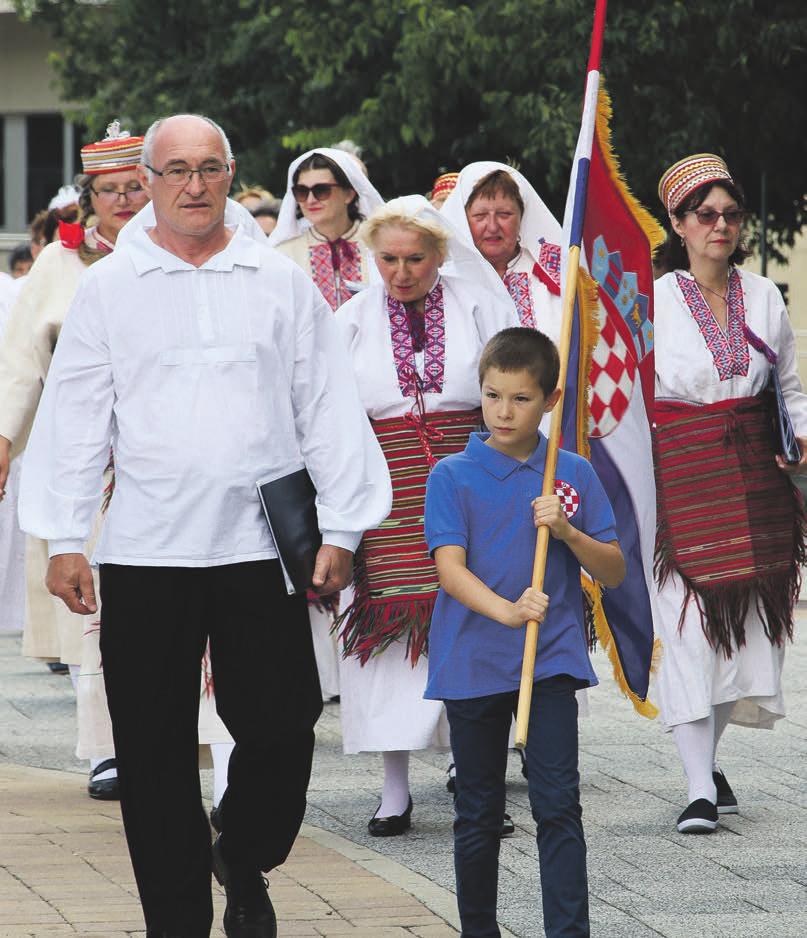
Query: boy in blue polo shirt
(481, 515)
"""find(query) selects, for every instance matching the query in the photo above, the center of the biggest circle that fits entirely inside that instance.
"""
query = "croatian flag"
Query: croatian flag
(608, 399)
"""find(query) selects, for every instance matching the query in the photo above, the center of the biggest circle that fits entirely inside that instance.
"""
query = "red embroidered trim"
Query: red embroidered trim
(547, 267)
(729, 350)
(330, 278)
(434, 349)
(518, 286)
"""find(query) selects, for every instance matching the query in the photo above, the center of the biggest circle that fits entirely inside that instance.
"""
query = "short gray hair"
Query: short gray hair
(151, 133)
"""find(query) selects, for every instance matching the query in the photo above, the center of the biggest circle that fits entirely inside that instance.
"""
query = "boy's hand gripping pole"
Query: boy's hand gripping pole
(550, 468)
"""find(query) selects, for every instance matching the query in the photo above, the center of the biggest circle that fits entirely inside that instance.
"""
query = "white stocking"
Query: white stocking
(220, 753)
(695, 743)
(395, 796)
(722, 714)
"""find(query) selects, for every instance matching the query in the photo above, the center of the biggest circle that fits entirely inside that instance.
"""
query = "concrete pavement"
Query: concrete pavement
(64, 869)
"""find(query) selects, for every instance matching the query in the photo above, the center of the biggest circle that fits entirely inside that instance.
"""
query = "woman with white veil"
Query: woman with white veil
(414, 338)
(327, 197)
(498, 210)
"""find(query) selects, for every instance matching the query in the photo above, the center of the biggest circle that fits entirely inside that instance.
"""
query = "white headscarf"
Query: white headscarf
(462, 259)
(538, 222)
(234, 215)
(290, 226)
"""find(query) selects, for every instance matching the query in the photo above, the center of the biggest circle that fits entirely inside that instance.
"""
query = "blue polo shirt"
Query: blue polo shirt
(480, 500)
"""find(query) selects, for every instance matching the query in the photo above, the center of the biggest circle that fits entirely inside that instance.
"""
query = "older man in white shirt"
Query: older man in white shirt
(211, 362)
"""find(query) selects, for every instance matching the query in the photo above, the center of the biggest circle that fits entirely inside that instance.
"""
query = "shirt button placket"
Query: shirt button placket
(203, 309)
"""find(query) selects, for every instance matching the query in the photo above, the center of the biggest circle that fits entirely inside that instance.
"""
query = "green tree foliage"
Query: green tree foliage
(425, 85)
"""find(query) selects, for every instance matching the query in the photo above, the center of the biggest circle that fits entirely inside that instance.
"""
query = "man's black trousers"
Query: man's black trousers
(155, 622)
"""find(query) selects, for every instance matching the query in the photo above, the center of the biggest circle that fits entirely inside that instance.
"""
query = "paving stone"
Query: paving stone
(62, 855)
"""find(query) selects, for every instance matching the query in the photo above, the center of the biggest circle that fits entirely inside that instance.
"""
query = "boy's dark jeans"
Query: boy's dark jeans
(479, 734)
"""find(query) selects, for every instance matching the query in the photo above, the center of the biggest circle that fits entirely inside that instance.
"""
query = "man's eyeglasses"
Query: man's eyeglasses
(182, 175)
(708, 216)
(321, 191)
(110, 194)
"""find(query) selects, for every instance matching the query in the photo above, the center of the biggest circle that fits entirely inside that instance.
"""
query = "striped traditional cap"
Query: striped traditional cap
(445, 183)
(118, 151)
(686, 175)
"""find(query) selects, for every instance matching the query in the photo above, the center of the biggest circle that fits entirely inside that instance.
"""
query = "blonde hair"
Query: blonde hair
(395, 214)
(253, 192)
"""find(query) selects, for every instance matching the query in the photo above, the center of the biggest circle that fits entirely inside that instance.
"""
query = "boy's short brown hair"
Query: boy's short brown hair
(522, 349)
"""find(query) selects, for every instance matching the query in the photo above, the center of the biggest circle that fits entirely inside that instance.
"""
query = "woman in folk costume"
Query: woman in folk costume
(731, 524)
(111, 194)
(327, 197)
(414, 340)
(501, 213)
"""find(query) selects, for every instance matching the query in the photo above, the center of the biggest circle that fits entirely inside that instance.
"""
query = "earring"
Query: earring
(683, 243)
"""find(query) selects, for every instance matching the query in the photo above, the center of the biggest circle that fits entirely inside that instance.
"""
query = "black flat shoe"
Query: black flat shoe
(508, 827)
(215, 819)
(391, 826)
(726, 800)
(104, 789)
(249, 912)
(451, 784)
(700, 817)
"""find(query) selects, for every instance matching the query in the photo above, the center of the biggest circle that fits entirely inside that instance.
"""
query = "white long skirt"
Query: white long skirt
(693, 677)
(383, 709)
(12, 558)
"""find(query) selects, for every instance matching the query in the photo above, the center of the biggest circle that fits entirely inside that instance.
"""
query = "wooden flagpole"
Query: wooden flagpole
(550, 468)
(569, 296)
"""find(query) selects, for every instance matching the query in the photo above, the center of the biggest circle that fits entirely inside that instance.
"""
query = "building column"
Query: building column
(15, 149)
(68, 149)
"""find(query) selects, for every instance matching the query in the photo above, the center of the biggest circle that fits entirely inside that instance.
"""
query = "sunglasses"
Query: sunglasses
(708, 216)
(321, 191)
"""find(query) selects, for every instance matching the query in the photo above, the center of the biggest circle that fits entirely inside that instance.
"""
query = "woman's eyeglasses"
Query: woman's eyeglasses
(708, 216)
(110, 194)
(321, 191)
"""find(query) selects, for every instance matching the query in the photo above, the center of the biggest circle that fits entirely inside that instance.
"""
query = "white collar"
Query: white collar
(241, 250)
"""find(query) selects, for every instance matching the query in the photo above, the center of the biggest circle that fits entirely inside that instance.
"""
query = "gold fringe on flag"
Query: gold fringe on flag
(594, 592)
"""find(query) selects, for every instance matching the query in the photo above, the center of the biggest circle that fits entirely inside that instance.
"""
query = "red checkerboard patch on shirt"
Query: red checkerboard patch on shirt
(569, 499)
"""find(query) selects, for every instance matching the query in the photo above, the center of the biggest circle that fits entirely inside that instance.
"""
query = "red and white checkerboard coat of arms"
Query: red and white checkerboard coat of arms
(613, 370)
(569, 498)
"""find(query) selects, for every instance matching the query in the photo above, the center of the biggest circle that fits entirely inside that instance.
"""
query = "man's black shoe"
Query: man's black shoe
(249, 912)
(104, 789)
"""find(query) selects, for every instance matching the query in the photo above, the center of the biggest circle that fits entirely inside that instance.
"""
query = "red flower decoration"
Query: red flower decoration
(71, 236)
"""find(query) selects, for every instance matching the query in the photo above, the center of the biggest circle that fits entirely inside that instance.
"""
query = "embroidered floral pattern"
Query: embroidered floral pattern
(518, 285)
(729, 349)
(332, 264)
(434, 347)
(547, 267)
